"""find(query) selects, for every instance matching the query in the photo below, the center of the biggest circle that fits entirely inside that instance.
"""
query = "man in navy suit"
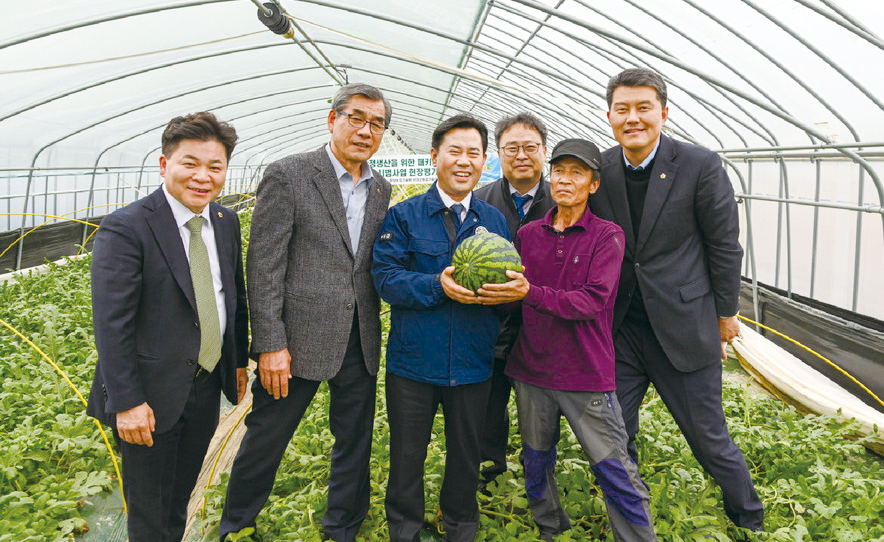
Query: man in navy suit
(171, 324)
(680, 280)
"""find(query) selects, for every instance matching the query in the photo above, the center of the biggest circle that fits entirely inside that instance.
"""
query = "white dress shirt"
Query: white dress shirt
(532, 193)
(182, 215)
(448, 202)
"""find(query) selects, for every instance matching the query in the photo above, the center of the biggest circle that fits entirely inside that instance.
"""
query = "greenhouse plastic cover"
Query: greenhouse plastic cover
(91, 83)
(91, 76)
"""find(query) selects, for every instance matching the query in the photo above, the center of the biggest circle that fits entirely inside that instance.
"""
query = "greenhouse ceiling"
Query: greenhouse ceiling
(94, 81)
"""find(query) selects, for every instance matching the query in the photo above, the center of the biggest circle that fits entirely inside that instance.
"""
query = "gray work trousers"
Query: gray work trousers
(598, 425)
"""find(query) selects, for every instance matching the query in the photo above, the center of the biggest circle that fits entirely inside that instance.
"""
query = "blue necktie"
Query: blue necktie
(456, 210)
(520, 202)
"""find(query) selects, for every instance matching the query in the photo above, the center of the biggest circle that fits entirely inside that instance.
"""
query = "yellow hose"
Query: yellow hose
(61, 372)
(82, 400)
(53, 218)
(242, 196)
(218, 455)
(830, 362)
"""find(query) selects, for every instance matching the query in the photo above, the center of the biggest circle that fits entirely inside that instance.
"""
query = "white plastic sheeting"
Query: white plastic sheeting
(78, 77)
(86, 87)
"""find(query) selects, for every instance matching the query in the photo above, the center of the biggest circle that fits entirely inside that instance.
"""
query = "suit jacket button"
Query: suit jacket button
(349, 306)
(191, 362)
(636, 265)
(196, 324)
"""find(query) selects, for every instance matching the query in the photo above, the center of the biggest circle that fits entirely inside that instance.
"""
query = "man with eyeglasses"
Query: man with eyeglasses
(315, 311)
(522, 195)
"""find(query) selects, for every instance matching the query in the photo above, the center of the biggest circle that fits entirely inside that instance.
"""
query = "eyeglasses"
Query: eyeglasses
(513, 150)
(358, 122)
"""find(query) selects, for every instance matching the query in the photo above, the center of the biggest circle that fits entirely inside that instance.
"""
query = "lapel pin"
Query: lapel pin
(220, 214)
(662, 175)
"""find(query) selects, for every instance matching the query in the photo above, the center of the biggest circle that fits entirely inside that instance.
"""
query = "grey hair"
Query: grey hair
(343, 95)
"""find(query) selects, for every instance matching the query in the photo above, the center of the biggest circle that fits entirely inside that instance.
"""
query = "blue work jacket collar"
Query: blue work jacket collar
(434, 204)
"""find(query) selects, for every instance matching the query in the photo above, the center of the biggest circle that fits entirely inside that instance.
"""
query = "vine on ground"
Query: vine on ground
(816, 485)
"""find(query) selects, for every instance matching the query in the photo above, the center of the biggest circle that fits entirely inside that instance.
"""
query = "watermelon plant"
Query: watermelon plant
(52, 458)
(484, 258)
(815, 485)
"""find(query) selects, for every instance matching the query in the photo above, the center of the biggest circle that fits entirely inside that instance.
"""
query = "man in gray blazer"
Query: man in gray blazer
(315, 311)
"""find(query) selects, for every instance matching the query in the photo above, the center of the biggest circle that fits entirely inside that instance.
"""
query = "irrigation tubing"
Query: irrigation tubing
(51, 219)
(825, 359)
(242, 416)
(82, 400)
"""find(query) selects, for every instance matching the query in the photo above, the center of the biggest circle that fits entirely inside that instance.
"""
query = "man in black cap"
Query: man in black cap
(563, 360)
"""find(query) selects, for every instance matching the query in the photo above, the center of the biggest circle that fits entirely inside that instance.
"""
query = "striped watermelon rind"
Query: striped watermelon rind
(483, 258)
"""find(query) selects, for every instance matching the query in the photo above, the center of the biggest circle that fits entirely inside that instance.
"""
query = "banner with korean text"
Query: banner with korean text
(418, 168)
(405, 169)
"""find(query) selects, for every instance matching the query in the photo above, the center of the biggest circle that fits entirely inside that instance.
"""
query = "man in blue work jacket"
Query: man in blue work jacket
(441, 344)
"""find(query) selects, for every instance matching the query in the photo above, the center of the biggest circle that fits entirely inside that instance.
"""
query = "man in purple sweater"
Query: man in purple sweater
(563, 360)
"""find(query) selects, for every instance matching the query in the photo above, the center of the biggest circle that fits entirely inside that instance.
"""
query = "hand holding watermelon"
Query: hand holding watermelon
(455, 291)
(507, 292)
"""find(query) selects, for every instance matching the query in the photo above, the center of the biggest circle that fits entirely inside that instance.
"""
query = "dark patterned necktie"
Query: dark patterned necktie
(456, 210)
(520, 202)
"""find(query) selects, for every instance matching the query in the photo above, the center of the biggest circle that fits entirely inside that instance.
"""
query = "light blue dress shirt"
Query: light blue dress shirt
(646, 161)
(354, 196)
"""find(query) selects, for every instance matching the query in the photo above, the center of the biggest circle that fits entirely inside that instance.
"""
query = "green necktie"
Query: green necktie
(204, 291)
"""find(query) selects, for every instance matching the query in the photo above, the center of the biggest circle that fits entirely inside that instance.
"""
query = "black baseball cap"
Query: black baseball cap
(581, 149)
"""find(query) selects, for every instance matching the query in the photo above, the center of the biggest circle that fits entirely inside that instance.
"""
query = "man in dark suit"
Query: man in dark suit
(522, 195)
(680, 280)
(315, 311)
(171, 324)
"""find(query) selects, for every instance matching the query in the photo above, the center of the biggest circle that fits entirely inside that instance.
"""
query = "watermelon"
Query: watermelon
(483, 258)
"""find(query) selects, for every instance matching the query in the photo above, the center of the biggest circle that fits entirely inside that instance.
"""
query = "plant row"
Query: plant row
(816, 485)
